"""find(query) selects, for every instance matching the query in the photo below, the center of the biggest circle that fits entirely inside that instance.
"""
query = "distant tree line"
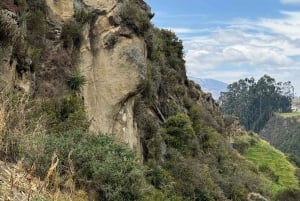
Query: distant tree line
(255, 102)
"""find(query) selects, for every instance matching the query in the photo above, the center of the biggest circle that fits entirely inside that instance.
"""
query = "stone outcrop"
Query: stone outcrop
(7, 70)
(112, 57)
(114, 64)
(62, 8)
(15, 69)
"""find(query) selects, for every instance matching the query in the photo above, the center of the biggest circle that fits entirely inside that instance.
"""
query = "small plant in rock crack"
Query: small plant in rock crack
(76, 81)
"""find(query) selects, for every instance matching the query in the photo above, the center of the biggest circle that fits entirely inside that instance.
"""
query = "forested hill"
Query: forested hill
(254, 102)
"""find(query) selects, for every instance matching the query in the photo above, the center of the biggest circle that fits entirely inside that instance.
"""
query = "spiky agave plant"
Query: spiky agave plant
(76, 81)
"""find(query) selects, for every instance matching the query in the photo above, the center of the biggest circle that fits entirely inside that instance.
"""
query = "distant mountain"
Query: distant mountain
(215, 87)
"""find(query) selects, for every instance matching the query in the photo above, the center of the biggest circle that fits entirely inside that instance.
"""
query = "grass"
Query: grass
(272, 164)
(289, 115)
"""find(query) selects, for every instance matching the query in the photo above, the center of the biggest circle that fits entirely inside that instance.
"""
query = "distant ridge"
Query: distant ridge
(215, 87)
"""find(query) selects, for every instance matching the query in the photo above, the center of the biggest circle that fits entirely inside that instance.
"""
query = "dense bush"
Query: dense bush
(71, 34)
(134, 17)
(101, 165)
(179, 134)
(63, 114)
(82, 16)
(268, 172)
(22, 127)
(36, 22)
(193, 180)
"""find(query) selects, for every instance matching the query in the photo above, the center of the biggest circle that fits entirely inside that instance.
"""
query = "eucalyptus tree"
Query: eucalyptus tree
(254, 102)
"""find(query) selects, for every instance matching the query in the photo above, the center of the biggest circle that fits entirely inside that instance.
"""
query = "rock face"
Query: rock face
(113, 65)
(62, 8)
(7, 70)
(112, 75)
(111, 55)
(15, 69)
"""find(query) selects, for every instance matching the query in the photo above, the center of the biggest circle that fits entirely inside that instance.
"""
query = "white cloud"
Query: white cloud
(290, 1)
(230, 47)
(245, 48)
(179, 30)
(287, 26)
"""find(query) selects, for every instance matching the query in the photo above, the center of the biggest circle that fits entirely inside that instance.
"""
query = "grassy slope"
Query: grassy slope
(262, 154)
(282, 131)
(288, 115)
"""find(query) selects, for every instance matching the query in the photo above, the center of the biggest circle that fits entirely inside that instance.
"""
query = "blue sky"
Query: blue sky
(232, 39)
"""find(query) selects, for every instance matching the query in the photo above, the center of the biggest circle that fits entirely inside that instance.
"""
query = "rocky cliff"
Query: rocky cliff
(111, 55)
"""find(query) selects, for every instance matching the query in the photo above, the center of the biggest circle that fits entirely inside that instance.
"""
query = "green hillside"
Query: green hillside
(273, 165)
(283, 132)
(288, 115)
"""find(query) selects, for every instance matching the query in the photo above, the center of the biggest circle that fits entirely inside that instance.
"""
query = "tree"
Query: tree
(255, 102)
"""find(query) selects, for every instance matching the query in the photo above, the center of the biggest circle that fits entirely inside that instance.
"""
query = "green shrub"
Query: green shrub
(76, 81)
(63, 114)
(100, 164)
(134, 17)
(179, 134)
(82, 16)
(229, 120)
(148, 90)
(180, 90)
(18, 129)
(160, 196)
(71, 34)
(209, 138)
(193, 180)
(238, 193)
(241, 146)
(38, 5)
(39, 198)
(268, 172)
(159, 177)
(188, 102)
(169, 108)
(36, 25)
(195, 114)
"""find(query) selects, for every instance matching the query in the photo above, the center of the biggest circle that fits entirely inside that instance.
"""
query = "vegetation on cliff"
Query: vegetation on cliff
(184, 137)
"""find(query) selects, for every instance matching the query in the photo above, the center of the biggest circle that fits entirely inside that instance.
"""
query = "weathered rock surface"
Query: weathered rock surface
(112, 57)
(114, 66)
